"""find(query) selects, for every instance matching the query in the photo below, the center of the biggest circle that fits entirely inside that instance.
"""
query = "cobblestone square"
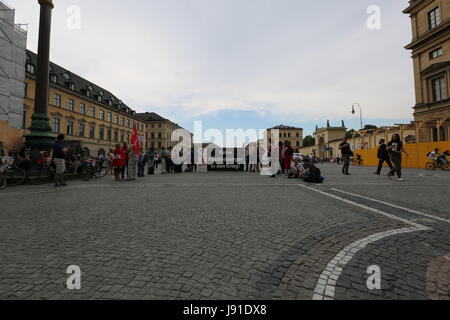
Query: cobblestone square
(230, 235)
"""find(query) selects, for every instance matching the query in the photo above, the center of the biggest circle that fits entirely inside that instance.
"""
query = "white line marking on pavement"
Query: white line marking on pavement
(326, 285)
(393, 205)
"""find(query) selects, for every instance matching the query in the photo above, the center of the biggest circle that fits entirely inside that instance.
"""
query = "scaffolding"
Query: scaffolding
(13, 40)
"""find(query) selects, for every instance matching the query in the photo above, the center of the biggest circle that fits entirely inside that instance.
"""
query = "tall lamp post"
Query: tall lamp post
(360, 112)
(40, 137)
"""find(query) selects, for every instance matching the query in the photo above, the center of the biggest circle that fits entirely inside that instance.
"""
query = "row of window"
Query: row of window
(56, 128)
(102, 115)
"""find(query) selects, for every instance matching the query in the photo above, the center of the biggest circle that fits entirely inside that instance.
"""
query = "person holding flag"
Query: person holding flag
(134, 153)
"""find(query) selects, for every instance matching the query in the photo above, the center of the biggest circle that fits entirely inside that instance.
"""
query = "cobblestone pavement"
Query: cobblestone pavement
(229, 236)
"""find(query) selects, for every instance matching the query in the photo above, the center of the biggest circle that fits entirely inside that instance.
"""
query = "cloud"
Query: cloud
(187, 59)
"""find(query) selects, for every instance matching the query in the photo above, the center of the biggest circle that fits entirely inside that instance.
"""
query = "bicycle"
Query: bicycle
(14, 175)
(437, 164)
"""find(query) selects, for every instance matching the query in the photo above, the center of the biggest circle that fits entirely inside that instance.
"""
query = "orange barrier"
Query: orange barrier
(417, 154)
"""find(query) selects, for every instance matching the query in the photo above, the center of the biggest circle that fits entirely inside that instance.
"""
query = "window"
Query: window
(128, 137)
(92, 111)
(66, 76)
(56, 125)
(72, 86)
(53, 78)
(81, 130)
(109, 134)
(153, 135)
(122, 121)
(116, 136)
(128, 123)
(82, 108)
(102, 133)
(434, 18)
(57, 99)
(439, 89)
(436, 53)
(116, 119)
(26, 90)
(88, 93)
(70, 104)
(159, 135)
(122, 137)
(69, 128)
(92, 132)
(99, 98)
(30, 68)
(109, 117)
(102, 115)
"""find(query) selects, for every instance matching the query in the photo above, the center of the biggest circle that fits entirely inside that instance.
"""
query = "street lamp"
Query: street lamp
(360, 112)
(40, 137)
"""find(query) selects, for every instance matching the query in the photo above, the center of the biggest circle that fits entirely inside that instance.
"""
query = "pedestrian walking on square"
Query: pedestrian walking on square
(383, 156)
(346, 152)
(118, 162)
(59, 158)
(395, 149)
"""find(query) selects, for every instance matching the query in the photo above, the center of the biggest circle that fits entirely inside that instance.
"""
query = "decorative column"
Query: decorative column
(40, 138)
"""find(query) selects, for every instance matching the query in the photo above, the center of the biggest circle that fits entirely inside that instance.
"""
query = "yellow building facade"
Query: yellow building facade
(90, 117)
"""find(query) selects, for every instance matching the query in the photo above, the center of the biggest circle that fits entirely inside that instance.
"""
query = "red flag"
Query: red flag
(135, 141)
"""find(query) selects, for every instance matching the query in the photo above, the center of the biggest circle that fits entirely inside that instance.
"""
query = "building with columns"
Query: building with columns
(430, 49)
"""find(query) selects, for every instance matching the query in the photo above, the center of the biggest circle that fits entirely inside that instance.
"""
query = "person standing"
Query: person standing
(125, 167)
(163, 157)
(151, 157)
(395, 148)
(288, 156)
(118, 162)
(383, 156)
(346, 152)
(143, 160)
(59, 157)
(133, 157)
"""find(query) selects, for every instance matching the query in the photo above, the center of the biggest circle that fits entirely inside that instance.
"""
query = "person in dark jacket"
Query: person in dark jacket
(383, 156)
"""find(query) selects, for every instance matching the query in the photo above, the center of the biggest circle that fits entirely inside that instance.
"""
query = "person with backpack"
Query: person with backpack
(383, 156)
(395, 148)
(311, 174)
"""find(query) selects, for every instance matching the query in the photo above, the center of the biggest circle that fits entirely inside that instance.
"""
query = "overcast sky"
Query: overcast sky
(239, 63)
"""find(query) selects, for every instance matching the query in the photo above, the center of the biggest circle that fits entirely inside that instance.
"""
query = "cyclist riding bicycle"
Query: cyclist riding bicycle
(443, 157)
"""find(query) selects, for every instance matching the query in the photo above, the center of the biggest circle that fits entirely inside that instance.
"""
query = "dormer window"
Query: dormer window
(88, 93)
(72, 86)
(99, 98)
(110, 103)
(90, 88)
(30, 68)
(66, 76)
(53, 78)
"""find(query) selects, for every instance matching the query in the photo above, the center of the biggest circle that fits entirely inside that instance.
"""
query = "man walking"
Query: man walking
(346, 154)
(59, 157)
(383, 156)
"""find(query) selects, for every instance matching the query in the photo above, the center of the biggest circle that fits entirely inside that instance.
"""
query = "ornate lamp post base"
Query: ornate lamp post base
(40, 138)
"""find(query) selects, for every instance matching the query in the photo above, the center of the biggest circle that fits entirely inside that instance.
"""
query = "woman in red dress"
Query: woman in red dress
(288, 156)
(118, 162)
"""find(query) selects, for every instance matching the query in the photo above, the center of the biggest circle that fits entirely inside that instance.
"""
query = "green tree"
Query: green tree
(309, 141)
